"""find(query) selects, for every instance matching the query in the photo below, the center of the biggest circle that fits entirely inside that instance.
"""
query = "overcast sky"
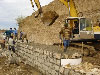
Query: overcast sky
(11, 9)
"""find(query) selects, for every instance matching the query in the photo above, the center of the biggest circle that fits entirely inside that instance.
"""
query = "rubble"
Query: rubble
(76, 55)
(11, 64)
(85, 68)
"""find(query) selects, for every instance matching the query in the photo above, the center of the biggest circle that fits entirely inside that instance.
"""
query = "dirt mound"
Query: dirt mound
(43, 34)
(89, 8)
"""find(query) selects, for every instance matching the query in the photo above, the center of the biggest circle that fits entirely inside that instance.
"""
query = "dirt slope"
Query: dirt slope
(40, 33)
(89, 8)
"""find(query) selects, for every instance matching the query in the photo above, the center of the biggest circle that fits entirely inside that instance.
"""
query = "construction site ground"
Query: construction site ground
(24, 69)
(38, 32)
(7, 68)
(46, 36)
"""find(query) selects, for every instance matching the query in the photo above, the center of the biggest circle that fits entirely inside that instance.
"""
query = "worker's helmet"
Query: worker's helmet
(66, 24)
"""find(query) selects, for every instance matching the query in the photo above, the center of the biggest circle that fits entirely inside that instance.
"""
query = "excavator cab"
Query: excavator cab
(81, 28)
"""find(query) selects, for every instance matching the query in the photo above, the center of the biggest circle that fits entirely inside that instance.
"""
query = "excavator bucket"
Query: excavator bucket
(49, 17)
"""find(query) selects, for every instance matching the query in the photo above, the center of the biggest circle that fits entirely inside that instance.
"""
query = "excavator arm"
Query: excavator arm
(37, 3)
(70, 5)
(38, 6)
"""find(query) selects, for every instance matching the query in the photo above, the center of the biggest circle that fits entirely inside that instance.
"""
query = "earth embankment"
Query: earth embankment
(43, 34)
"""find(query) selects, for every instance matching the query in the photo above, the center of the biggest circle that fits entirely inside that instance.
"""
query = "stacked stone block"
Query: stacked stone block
(46, 61)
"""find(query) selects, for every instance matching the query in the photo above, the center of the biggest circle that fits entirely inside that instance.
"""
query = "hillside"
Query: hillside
(40, 33)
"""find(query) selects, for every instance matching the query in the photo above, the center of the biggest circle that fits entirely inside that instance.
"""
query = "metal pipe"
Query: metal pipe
(69, 6)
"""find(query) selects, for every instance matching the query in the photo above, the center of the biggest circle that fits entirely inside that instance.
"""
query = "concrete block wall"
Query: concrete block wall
(45, 60)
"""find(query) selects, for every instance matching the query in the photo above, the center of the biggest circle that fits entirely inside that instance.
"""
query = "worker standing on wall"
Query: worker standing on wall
(65, 36)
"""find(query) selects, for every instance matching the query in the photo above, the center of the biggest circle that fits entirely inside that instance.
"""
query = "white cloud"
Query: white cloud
(11, 9)
(9, 1)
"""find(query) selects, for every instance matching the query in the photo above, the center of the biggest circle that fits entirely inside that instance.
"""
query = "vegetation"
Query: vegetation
(20, 19)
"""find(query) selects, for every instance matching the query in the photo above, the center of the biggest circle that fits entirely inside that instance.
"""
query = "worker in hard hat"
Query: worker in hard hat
(65, 36)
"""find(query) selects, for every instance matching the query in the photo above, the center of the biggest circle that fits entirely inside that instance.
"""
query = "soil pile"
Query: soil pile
(43, 34)
(89, 8)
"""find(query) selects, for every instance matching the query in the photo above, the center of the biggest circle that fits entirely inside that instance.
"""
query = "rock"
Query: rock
(86, 52)
(76, 55)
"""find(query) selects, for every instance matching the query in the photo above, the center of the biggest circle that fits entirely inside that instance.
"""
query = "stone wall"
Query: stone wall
(45, 60)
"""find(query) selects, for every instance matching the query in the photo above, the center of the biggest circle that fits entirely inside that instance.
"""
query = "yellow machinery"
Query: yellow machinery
(70, 4)
(82, 28)
(38, 6)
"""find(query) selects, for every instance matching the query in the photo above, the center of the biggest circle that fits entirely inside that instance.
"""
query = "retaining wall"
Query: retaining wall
(44, 58)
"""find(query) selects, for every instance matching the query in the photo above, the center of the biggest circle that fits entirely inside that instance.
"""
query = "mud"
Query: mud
(13, 69)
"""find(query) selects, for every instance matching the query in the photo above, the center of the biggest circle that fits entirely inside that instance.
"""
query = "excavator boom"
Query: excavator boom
(38, 6)
(47, 19)
(72, 10)
(37, 3)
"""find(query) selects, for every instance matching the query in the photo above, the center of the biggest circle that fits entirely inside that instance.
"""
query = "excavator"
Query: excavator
(81, 27)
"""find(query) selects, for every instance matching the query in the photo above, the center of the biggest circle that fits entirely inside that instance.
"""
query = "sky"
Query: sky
(12, 9)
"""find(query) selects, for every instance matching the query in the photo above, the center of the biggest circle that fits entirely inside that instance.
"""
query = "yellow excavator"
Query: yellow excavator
(81, 27)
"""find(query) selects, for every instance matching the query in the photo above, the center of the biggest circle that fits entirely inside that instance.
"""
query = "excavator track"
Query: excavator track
(86, 49)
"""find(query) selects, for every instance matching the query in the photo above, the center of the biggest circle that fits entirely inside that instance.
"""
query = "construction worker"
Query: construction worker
(15, 33)
(11, 43)
(23, 36)
(65, 36)
(8, 33)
